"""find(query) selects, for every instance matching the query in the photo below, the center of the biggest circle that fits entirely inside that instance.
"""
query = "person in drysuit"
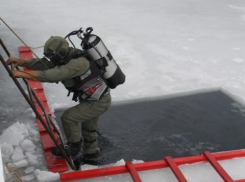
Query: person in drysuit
(61, 63)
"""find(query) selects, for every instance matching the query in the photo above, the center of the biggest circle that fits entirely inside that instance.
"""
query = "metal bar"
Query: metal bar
(133, 172)
(173, 166)
(219, 169)
(6, 51)
(5, 48)
(36, 112)
(47, 116)
(29, 92)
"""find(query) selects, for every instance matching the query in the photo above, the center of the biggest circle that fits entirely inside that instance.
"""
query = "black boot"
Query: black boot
(93, 158)
(72, 149)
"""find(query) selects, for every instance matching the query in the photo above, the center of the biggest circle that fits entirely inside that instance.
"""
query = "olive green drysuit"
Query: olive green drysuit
(86, 112)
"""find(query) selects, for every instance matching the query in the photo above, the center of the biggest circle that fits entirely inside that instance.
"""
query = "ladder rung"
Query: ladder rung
(223, 174)
(133, 172)
(179, 175)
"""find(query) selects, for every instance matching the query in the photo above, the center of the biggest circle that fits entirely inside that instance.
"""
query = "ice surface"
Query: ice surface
(192, 44)
(162, 46)
(14, 134)
(28, 177)
(7, 150)
(28, 145)
(24, 152)
(88, 167)
(17, 155)
(234, 168)
(29, 169)
(19, 164)
(32, 158)
(1, 165)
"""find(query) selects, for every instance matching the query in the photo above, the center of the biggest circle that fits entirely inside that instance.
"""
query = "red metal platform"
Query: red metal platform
(173, 164)
(54, 164)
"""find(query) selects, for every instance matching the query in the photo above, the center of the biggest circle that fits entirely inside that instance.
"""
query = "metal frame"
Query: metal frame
(167, 163)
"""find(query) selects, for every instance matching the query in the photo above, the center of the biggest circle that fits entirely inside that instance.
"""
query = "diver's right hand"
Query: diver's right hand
(16, 62)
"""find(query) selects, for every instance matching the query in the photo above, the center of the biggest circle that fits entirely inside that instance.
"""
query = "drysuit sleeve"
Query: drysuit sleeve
(39, 64)
(73, 68)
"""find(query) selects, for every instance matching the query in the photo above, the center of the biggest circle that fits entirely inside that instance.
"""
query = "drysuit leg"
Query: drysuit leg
(86, 111)
(89, 133)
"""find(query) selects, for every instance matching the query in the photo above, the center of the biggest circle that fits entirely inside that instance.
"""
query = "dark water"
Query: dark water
(182, 126)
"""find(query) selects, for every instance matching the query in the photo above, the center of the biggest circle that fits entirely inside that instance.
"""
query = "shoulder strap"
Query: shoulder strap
(76, 54)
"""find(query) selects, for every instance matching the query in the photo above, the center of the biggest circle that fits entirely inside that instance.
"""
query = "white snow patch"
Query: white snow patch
(28, 145)
(134, 161)
(7, 151)
(120, 163)
(132, 93)
(29, 169)
(236, 48)
(243, 17)
(1, 166)
(185, 48)
(19, 164)
(32, 158)
(33, 115)
(88, 167)
(190, 39)
(238, 60)
(59, 105)
(18, 154)
(14, 134)
(241, 9)
(45, 176)
(28, 177)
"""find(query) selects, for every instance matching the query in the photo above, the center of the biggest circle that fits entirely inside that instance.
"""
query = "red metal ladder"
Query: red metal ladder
(54, 164)
(179, 175)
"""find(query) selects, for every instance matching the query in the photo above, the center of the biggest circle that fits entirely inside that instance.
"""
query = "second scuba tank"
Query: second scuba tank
(98, 51)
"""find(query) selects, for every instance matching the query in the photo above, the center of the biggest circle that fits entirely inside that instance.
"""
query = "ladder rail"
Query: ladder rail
(133, 172)
(175, 169)
(219, 169)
